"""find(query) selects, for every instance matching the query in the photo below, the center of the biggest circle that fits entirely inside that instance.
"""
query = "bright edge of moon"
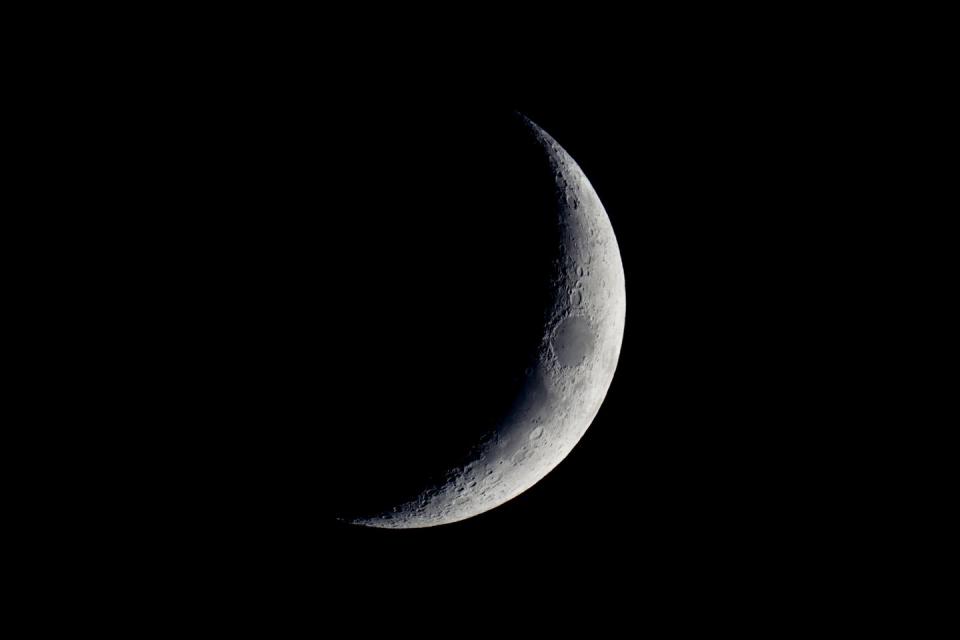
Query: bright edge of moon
(577, 357)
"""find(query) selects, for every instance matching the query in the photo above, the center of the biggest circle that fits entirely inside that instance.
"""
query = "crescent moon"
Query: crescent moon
(576, 359)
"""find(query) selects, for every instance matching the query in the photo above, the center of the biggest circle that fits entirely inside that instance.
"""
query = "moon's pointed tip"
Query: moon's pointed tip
(537, 132)
(523, 118)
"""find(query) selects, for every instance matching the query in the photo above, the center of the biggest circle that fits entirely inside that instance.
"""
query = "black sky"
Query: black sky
(682, 451)
(287, 216)
(263, 277)
(714, 445)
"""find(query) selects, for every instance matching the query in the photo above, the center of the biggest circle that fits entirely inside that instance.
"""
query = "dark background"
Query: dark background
(232, 207)
(279, 246)
(700, 458)
(308, 247)
(724, 450)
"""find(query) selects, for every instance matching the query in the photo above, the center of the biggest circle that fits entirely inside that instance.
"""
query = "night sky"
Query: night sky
(294, 246)
(304, 324)
(696, 457)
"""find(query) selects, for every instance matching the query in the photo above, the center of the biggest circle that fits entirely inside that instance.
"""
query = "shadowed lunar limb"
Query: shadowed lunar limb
(567, 380)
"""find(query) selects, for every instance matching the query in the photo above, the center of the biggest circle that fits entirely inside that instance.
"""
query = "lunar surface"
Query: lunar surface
(568, 374)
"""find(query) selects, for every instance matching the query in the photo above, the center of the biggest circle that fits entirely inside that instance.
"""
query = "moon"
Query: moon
(568, 378)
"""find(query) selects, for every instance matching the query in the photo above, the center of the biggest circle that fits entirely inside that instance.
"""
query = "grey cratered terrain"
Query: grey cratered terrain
(576, 359)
